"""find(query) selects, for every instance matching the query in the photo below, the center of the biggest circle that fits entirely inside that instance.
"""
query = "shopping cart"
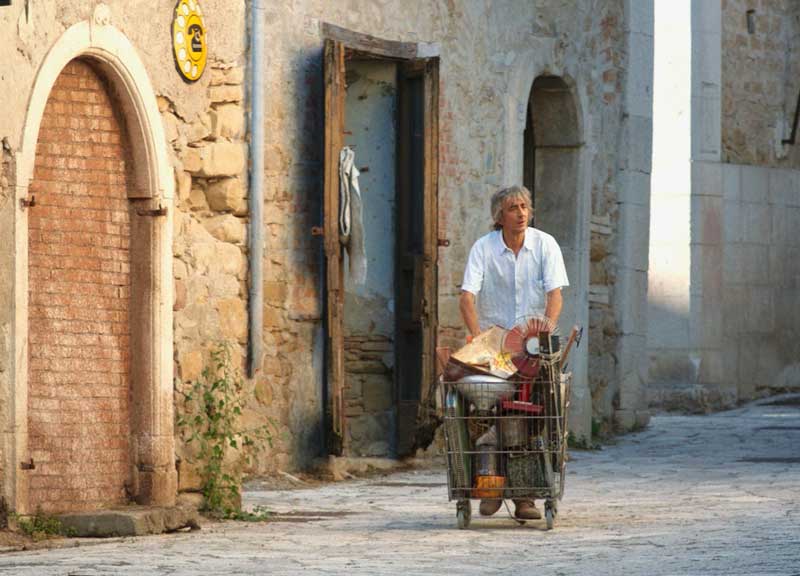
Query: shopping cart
(506, 438)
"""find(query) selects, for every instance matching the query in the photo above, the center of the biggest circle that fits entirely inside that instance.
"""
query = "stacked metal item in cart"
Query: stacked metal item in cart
(505, 398)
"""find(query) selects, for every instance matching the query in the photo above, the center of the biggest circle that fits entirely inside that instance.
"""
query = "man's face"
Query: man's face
(515, 215)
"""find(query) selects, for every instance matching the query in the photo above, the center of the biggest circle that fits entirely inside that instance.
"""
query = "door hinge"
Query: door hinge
(29, 465)
(160, 211)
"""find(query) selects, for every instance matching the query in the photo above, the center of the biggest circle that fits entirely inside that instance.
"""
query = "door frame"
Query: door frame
(152, 446)
(340, 43)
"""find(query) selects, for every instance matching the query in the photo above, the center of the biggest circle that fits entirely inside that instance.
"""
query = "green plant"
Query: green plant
(41, 526)
(258, 514)
(210, 420)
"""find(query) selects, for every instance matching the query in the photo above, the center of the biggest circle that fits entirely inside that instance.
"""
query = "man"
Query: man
(514, 271)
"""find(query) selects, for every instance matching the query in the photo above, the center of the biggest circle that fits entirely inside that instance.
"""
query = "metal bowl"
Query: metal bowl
(485, 391)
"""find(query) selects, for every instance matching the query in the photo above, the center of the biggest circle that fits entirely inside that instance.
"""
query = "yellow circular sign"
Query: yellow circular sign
(189, 40)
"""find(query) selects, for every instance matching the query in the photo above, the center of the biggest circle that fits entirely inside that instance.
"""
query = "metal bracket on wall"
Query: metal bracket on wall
(317, 231)
(27, 202)
(443, 242)
(29, 465)
(790, 139)
(160, 211)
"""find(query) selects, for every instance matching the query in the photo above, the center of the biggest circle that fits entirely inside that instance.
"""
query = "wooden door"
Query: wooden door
(415, 289)
(334, 140)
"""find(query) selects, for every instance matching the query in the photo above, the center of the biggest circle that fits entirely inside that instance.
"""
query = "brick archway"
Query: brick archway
(79, 300)
(149, 183)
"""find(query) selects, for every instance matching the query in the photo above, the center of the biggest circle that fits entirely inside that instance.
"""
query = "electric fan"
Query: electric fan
(521, 343)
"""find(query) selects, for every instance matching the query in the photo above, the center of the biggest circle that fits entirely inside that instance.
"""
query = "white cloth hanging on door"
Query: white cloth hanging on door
(351, 226)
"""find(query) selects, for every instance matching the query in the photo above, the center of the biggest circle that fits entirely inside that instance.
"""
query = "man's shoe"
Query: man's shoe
(526, 510)
(489, 507)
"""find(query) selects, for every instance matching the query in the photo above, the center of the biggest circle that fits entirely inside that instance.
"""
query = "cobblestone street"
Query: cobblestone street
(690, 495)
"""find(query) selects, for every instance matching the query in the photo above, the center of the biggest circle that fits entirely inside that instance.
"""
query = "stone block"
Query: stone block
(705, 320)
(639, 85)
(233, 319)
(190, 365)
(780, 232)
(731, 182)
(668, 322)
(231, 259)
(631, 301)
(224, 286)
(635, 230)
(734, 299)
(197, 131)
(634, 187)
(220, 76)
(706, 179)
(706, 220)
(707, 270)
(170, 124)
(132, 521)
(731, 222)
(640, 16)
(754, 262)
(638, 144)
(759, 311)
(221, 159)
(756, 223)
(191, 160)
(189, 477)
(711, 371)
(377, 393)
(227, 228)
(183, 185)
(730, 363)
(781, 186)
(793, 223)
(227, 195)
(227, 121)
(625, 419)
(225, 93)
(754, 184)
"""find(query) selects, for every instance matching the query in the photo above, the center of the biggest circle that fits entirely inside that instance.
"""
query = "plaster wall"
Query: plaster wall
(369, 308)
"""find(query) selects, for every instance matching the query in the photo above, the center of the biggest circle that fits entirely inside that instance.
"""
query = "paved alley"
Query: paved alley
(705, 495)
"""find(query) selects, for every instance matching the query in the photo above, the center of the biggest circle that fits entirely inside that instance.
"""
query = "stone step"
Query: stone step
(130, 521)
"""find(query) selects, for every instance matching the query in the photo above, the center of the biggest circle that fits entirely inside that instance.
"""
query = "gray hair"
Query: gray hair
(499, 197)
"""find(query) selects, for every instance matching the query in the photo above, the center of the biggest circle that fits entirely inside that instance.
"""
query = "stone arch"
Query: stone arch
(153, 476)
(551, 155)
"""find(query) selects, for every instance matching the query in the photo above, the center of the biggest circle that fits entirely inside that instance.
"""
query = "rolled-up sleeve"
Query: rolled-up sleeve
(554, 271)
(473, 273)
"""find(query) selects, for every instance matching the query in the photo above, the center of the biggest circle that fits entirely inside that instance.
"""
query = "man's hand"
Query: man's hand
(468, 312)
(554, 304)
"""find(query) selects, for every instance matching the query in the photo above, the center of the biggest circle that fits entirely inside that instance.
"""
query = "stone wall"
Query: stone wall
(489, 57)
(760, 81)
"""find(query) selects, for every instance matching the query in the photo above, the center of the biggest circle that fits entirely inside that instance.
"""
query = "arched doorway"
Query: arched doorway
(79, 286)
(550, 167)
(130, 160)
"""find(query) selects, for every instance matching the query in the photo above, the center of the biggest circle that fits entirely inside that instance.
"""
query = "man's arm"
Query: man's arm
(554, 304)
(468, 312)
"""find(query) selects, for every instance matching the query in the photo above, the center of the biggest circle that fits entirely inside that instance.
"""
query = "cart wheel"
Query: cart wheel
(549, 516)
(463, 514)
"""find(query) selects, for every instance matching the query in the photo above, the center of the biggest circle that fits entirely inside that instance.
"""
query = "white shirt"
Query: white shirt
(508, 287)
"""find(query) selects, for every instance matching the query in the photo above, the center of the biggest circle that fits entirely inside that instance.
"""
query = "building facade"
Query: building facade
(723, 301)
(136, 208)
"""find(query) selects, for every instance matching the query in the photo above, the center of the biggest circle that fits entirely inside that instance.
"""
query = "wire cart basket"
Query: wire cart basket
(507, 439)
